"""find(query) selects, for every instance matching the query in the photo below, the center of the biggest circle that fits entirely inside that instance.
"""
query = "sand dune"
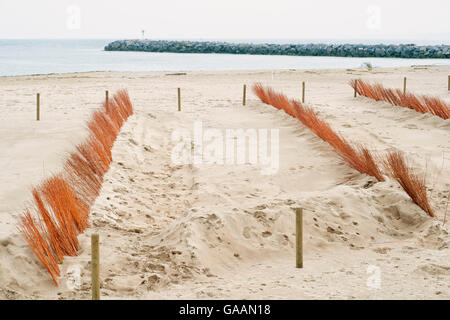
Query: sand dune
(227, 231)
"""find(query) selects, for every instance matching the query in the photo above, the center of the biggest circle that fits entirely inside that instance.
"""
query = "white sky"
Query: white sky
(232, 19)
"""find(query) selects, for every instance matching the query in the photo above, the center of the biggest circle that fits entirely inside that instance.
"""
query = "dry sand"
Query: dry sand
(227, 231)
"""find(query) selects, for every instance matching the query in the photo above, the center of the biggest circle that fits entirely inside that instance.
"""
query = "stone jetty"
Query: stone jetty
(336, 50)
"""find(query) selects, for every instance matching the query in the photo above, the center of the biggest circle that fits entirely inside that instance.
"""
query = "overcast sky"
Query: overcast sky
(231, 19)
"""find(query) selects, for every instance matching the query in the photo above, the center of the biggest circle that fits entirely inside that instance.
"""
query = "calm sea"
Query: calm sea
(26, 57)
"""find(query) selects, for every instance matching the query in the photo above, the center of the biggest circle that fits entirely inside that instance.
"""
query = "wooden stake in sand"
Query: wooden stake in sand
(354, 94)
(244, 98)
(179, 99)
(107, 96)
(95, 264)
(404, 85)
(303, 92)
(38, 107)
(299, 237)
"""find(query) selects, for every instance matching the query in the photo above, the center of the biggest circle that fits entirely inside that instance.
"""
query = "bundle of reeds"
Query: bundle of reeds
(396, 97)
(357, 156)
(413, 184)
(61, 204)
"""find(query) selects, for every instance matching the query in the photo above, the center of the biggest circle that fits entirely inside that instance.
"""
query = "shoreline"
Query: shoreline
(178, 72)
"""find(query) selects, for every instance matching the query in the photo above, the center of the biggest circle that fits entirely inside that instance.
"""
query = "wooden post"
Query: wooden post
(107, 96)
(38, 107)
(299, 237)
(179, 99)
(356, 85)
(244, 98)
(404, 85)
(303, 92)
(95, 264)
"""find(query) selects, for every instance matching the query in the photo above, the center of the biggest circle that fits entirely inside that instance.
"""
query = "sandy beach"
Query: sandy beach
(220, 231)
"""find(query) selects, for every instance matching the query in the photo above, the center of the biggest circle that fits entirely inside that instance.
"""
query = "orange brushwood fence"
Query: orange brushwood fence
(356, 155)
(61, 204)
(419, 103)
(359, 157)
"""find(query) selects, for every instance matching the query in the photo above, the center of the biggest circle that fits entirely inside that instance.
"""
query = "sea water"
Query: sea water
(27, 57)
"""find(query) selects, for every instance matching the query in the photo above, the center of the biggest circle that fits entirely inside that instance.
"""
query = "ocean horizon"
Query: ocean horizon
(48, 56)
